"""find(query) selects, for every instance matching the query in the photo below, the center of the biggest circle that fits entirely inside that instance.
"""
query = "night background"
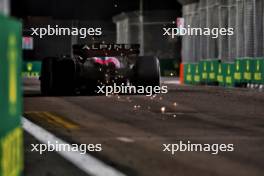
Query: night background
(209, 121)
(85, 9)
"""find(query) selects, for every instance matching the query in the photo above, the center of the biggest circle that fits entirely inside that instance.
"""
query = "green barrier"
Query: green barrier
(248, 70)
(258, 71)
(188, 73)
(11, 141)
(204, 71)
(228, 73)
(197, 75)
(31, 68)
(212, 75)
(209, 72)
(220, 74)
(243, 70)
(238, 71)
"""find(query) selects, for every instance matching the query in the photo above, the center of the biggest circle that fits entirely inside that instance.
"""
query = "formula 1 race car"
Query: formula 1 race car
(98, 64)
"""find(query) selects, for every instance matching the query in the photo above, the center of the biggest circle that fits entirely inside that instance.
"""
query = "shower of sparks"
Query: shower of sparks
(137, 107)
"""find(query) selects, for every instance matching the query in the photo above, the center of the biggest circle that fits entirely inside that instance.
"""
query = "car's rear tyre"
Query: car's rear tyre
(65, 77)
(47, 79)
(57, 76)
(147, 71)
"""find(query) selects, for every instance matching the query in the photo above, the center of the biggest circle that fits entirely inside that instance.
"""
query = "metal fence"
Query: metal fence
(223, 23)
(232, 24)
(4, 7)
(129, 30)
(246, 17)
(211, 15)
(258, 22)
(239, 31)
(190, 44)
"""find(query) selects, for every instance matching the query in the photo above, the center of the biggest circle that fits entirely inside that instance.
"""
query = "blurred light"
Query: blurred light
(152, 97)
(29, 67)
(162, 109)
(129, 100)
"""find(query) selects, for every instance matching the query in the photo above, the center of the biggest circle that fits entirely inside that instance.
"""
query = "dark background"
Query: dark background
(99, 13)
(85, 9)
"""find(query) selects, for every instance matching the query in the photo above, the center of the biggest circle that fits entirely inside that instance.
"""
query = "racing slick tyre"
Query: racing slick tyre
(65, 74)
(147, 71)
(57, 76)
(47, 78)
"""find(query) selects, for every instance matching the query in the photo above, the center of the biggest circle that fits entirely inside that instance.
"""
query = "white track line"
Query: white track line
(125, 139)
(172, 82)
(86, 163)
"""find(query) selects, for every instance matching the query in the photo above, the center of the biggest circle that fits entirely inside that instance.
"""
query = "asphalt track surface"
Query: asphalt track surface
(132, 130)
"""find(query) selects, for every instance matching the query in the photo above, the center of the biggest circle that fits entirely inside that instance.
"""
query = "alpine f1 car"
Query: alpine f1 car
(95, 64)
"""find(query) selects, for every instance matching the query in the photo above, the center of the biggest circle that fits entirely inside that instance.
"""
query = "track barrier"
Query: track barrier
(11, 135)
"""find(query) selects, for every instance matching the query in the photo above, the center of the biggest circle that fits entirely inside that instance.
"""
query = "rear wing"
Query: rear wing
(104, 50)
